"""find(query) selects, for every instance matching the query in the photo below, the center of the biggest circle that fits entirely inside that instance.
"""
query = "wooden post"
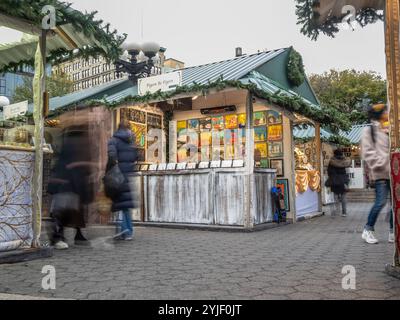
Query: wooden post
(318, 148)
(248, 219)
(392, 44)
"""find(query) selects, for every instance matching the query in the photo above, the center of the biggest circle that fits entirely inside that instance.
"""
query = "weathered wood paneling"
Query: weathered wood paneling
(179, 198)
(229, 198)
(262, 199)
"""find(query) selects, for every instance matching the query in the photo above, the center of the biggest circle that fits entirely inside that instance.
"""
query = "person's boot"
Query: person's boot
(80, 240)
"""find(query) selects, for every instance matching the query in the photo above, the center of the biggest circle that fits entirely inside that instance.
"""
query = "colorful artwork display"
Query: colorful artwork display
(205, 124)
(139, 131)
(217, 123)
(242, 120)
(262, 149)
(260, 118)
(231, 121)
(194, 124)
(260, 134)
(274, 117)
(275, 149)
(181, 126)
(275, 132)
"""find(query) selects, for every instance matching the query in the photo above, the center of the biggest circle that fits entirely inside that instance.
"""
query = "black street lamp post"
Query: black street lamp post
(133, 67)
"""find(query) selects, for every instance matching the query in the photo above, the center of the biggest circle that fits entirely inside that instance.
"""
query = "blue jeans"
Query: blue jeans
(382, 191)
(126, 223)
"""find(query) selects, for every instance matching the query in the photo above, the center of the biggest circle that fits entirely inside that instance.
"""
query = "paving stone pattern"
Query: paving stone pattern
(299, 261)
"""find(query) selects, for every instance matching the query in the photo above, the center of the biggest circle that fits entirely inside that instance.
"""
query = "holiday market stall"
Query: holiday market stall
(213, 145)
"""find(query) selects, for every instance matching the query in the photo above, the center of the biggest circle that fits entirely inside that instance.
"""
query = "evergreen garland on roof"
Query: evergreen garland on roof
(325, 116)
(31, 11)
(307, 16)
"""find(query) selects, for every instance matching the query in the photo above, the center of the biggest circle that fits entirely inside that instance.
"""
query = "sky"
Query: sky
(202, 31)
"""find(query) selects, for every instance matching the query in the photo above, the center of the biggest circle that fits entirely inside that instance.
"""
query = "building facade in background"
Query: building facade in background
(9, 82)
(96, 71)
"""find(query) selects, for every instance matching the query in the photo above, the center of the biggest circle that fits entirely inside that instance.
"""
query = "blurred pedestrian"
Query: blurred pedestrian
(339, 180)
(71, 187)
(375, 152)
(122, 152)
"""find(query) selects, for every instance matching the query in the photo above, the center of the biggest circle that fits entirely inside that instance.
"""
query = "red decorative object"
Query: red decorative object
(395, 161)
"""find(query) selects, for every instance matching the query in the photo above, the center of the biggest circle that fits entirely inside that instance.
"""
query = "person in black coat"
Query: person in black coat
(122, 152)
(338, 178)
(71, 174)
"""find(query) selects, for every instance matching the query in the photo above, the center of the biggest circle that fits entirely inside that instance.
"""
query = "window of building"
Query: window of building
(2, 86)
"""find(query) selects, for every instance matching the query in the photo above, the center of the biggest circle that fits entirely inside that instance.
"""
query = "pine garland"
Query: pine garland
(30, 10)
(295, 68)
(326, 116)
(308, 17)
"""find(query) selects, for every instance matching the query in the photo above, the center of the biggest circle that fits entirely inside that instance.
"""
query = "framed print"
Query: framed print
(274, 117)
(278, 165)
(260, 134)
(242, 120)
(275, 132)
(154, 121)
(181, 126)
(275, 149)
(264, 163)
(283, 184)
(231, 121)
(217, 123)
(205, 138)
(260, 118)
(194, 124)
(140, 134)
(134, 115)
(262, 149)
(205, 124)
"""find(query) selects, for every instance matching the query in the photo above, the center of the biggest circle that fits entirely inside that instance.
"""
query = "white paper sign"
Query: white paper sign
(191, 166)
(164, 82)
(204, 165)
(171, 166)
(238, 163)
(153, 167)
(162, 166)
(226, 164)
(181, 166)
(15, 110)
(215, 164)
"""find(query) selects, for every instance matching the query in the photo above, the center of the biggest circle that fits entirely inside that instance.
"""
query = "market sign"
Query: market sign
(15, 110)
(164, 82)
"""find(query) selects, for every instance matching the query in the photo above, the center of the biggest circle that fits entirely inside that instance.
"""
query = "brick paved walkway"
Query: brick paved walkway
(301, 261)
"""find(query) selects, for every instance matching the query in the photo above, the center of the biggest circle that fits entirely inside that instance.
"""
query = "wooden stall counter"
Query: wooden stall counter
(210, 196)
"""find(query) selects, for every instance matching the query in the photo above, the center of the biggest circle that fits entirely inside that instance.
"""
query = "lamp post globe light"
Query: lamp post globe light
(140, 61)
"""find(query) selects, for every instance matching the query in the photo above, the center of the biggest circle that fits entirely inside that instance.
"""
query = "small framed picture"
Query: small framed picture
(275, 149)
(278, 165)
